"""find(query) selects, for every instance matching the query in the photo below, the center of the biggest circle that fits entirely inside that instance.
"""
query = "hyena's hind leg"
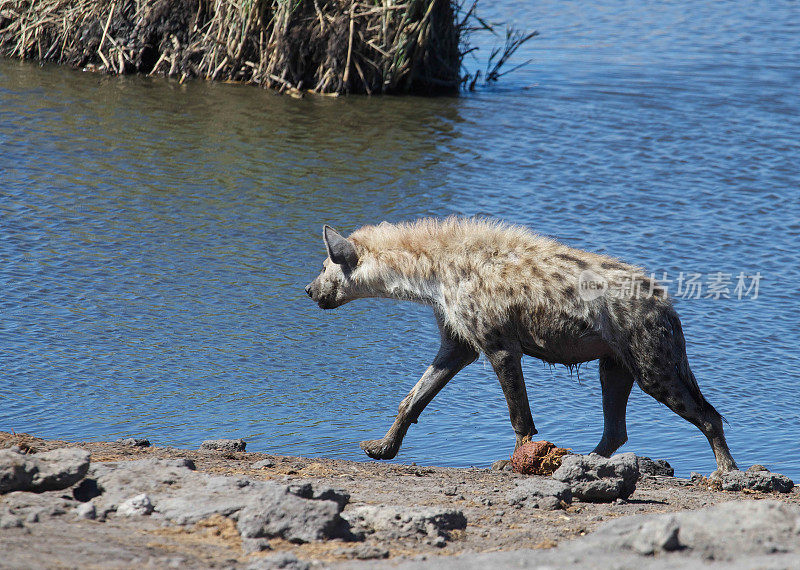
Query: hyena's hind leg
(670, 389)
(663, 372)
(616, 382)
(453, 355)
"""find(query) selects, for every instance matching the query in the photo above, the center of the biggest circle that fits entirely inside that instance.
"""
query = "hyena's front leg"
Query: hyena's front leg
(507, 364)
(452, 357)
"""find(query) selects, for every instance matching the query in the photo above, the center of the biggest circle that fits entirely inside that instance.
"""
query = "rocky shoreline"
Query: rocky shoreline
(125, 503)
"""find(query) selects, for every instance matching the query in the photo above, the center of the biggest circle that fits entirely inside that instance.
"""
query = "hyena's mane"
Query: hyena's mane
(469, 269)
(429, 246)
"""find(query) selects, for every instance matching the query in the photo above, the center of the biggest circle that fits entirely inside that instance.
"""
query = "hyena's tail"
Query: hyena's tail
(682, 361)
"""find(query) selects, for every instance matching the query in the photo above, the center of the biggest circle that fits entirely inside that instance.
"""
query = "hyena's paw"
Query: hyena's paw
(379, 449)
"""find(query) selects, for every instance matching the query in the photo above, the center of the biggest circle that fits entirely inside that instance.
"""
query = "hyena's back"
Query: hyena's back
(497, 281)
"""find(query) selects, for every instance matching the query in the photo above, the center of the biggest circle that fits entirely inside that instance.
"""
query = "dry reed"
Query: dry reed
(324, 46)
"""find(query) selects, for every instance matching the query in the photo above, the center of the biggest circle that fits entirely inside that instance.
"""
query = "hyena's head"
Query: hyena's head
(334, 286)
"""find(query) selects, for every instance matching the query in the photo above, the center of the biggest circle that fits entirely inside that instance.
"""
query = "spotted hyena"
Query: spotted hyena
(505, 291)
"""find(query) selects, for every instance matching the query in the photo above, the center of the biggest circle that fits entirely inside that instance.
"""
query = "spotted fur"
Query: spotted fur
(505, 291)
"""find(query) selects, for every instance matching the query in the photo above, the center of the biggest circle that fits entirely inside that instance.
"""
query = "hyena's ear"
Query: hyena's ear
(340, 250)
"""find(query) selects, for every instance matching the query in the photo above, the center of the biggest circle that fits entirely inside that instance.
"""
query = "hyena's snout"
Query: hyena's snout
(312, 290)
(317, 295)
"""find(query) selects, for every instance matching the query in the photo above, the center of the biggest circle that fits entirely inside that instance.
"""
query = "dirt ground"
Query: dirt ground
(493, 523)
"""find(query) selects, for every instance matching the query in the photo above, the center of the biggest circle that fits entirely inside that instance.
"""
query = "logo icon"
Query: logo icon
(591, 285)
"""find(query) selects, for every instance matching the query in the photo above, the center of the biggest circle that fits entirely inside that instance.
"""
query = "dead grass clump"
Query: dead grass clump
(326, 46)
(323, 46)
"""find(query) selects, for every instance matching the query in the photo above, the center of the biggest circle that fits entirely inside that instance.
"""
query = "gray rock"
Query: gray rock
(649, 466)
(250, 545)
(47, 511)
(722, 532)
(285, 560)
(404, 521)
(548, 504)
(594, 478)
(47, 471)
(731, 529)
(324, 493)
(263, 464)
(657, 535)
(167, 562)
(86, 511)
(741, 535)
(7, 520)
(140, 505)
(227, 445)
(696, 477)
(760, 480)
(60, 468)
(134, 441)
(35, 507)
(206, 496)
(540, 492)
(16, 471)
(182, 462)
(276, 512)
(117, 482)
(263, 509)
(364, 552)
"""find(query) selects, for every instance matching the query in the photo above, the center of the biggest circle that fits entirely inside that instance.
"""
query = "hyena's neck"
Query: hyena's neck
(382, 280)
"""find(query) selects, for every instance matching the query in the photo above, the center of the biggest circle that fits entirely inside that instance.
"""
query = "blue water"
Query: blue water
(156, 238)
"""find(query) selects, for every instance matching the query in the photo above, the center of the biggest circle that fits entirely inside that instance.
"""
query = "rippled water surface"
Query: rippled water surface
(155, 238)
